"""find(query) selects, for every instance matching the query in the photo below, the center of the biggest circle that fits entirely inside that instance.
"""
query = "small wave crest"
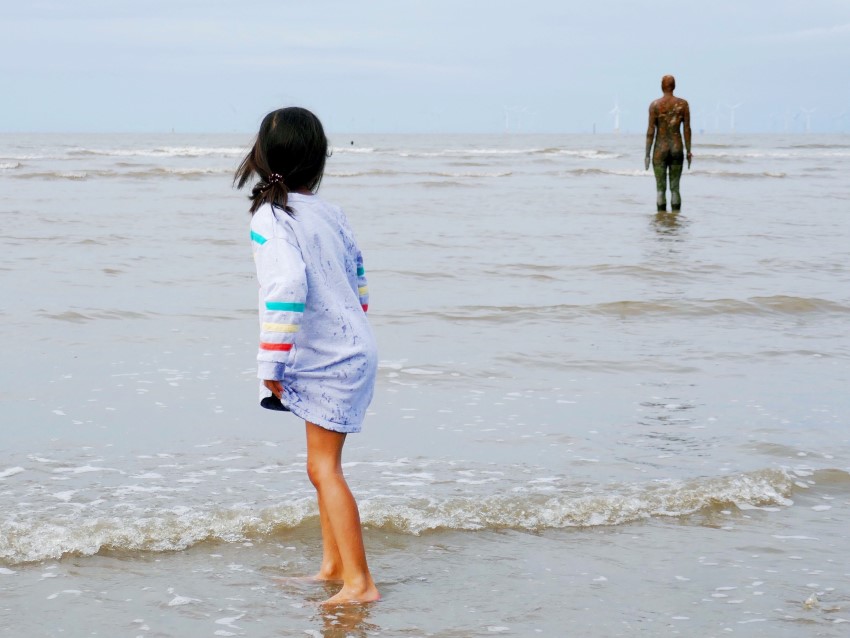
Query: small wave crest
(616, 506)
(606, 171)
(510, 152)
(790, 153)
(160, 151)
(55, 175)
(741, 174)
(73, 316)
(757, 306)
(356, 150)
(847, 146)
(158, 172)
(523, 509)
(392, 173)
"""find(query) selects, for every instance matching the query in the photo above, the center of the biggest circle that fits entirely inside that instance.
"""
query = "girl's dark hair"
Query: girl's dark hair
(288, 155)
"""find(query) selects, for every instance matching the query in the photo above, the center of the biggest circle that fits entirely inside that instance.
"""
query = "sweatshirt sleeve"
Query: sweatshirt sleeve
(362, 284)
(281, 273)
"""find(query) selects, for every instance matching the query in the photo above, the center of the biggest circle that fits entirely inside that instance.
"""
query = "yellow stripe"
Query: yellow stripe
(362, 290)
(280, 327)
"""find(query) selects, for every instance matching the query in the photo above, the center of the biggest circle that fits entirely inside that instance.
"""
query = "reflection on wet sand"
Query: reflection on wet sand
(348, 621)
(667, 223)
(338, 621)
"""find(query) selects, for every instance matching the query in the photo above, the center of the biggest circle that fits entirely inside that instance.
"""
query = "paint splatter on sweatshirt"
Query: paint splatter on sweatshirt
(314, 335)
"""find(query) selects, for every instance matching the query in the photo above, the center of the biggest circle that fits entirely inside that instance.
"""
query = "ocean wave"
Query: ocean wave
(509, 152)
(27, 540)
(847, 146)
(57, 175)
(158, 172)
(703, 145)
(380, 172)
(765, 154)
(356, 150)
(443, 184)
(160, 151)
(28, 156)
(764, 306)
(185, 173)
(636, 172)
(472, 152)
(73, 316)
(8, 166)
(740, 174)
(233, 151)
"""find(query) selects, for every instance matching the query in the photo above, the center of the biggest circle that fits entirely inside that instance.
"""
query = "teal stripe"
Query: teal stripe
(361, 271)
(257, 237)
(285, 306)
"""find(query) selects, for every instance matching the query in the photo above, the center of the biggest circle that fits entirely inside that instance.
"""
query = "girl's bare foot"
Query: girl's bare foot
(350, 595)
(329, 571)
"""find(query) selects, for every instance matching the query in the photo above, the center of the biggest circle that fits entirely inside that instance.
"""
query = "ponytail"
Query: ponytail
(271, 189)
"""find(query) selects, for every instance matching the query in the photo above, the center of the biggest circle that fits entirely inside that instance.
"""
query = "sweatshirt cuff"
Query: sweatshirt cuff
(270, 370)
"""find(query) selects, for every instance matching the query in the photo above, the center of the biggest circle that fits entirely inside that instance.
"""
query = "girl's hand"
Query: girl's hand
(275, 387)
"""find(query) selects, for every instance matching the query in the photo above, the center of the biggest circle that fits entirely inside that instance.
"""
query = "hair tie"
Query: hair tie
(274, 178)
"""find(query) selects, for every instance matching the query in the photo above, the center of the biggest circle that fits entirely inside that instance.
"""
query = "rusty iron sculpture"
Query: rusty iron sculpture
(668, 117)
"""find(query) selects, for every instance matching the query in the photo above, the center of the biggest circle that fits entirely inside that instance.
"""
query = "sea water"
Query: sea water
(591, 419)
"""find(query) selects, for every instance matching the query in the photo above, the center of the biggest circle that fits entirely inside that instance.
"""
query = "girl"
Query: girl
(317, 352)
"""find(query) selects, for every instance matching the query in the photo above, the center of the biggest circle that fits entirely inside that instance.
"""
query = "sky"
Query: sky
(422, 66)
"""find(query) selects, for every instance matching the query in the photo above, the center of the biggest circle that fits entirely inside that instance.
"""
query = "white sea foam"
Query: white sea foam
(32, 539)
(352, 149)
(420, 371)
(84, 469)
(10, 472)
(179, 601)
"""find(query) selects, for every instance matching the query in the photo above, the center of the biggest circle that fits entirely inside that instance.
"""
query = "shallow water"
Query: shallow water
(591, 419)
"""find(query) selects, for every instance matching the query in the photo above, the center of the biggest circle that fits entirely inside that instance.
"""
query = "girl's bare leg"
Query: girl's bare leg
(340, 517)
(331, 568)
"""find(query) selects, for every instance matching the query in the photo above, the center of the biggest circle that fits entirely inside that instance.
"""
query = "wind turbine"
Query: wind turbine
(732, 109)
(699, 116)
(616, 113)
(507, 110)
(511, 113)
(515, 113)
(808, 114)
(842, 117)
(521, 112)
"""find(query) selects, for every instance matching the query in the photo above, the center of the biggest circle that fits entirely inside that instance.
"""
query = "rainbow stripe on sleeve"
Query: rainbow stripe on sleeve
(284, 306)
(280, 347)
(281, 328)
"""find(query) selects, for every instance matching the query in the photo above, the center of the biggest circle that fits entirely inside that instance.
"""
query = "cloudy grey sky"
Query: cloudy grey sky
(420, 65)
